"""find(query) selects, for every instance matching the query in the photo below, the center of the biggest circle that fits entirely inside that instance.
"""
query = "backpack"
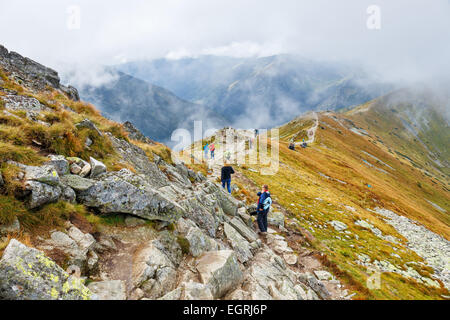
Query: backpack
(267, 203)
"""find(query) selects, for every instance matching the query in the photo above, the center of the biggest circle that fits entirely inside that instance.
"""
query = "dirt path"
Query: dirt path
(311, 131)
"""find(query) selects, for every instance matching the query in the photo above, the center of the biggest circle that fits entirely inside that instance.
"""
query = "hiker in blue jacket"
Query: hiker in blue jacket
(264, 203)
(206, 149)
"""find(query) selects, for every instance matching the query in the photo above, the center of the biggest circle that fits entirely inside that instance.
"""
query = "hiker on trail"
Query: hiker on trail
(264, 203)
(292, 146)
(212, 148)
(225, 177)
(256, 132)
(205, 149)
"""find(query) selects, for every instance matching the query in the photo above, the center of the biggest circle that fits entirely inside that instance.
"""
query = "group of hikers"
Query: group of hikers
(264, 198)
(292, 145)
(211, 148)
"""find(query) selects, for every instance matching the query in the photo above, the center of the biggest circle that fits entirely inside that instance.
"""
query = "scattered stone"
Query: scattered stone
(97, 167)
(109, 290)
(338, 225)
(323, 275)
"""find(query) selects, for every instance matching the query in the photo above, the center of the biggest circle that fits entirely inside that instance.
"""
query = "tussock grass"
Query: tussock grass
(337, 153)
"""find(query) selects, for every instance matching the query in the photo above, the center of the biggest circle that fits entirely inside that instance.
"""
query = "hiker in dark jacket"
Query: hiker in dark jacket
(227, 171)
(264, 203)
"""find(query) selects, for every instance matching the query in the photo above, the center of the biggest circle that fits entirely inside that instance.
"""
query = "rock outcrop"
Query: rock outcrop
(33, 74)
(27, 274)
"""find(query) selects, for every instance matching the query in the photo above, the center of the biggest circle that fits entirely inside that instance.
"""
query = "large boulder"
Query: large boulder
(239, 244)
(44, 174)
(199, 242)
(153, 271)
(76, 182)
(109, 290)
(220, 271)
(41, 193)
(27, 274)
(140, 161)
(126, 192)
(97, 167)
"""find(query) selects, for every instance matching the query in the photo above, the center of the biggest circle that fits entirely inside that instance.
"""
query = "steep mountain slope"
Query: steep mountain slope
(277, 86)
(368, 194)
(154, 110)
(87, 212)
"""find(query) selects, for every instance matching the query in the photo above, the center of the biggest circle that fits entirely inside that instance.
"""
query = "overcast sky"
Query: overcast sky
(413, 40)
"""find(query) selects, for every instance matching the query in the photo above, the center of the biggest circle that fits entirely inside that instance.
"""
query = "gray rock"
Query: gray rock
(153, 271)
(126, 192)
(318, 287)
(245, 231)
(85, 170)
(27, 274)
(220, 271)
(60, 164)
(338, 225)
(86, 123)
(41, 193)
(275, 218)
(97, 167)
(76, 182)
(135, 134)
(239, 244)
(88, 142)
(44, 174)
(68, 195)
(199, 242)
(109, 290)
(242, 213)
(75, 168)
(140, 161)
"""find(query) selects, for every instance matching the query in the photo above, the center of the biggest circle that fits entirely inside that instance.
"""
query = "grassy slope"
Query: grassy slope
(337, 153)
(28, 142)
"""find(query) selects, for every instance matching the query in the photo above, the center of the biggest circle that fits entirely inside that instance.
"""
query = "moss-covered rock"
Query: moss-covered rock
(27, 274)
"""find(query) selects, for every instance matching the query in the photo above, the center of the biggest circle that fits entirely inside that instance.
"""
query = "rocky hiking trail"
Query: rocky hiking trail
(183, 237)
(279, 238)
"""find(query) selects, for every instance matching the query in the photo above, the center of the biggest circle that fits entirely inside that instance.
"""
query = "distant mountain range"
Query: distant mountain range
(260, 92)
(162, 95)
(157, 112)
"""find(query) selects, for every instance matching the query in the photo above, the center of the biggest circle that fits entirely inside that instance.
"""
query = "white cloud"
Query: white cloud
(412, 42)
